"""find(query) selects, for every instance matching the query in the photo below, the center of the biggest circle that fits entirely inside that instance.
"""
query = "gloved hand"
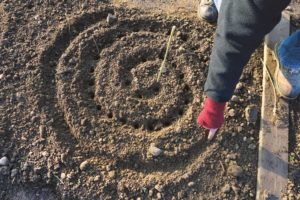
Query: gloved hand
(212, 116)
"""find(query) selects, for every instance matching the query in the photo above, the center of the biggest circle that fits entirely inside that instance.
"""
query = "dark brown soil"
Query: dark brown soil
(80, 107)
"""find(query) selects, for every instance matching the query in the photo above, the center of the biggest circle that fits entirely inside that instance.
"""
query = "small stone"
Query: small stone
(235, 99)
(108, 167)
(84, 5)
(112, 174)
(97, 178)
(231, 156)
(245, 139)
(239, 86)
(231, 113)
(4, 170)
(236, 146)
(1, 76)
(159, 196)
(84, 165)
(153, 150)
(181, 49)
(42, 131)
(158, 187)
(111, 19)
(191, 184)
(45, 153)
(235, 170)
(150, 194)
(233, 134)
(235, 189)
(63, 176)
(4, 161)
(239, 129)
(252, 146)
(251, 114)
(13, 173)
(83, 122)
(226, 188)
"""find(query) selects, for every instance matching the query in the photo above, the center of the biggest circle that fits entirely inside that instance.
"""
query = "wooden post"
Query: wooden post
(272, 177)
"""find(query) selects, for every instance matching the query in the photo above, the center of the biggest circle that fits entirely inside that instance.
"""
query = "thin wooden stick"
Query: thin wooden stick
(223, 168)
(96, 45)
(163, 64)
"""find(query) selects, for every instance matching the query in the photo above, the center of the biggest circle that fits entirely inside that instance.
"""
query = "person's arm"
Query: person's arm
(241, 28)
(242, 25)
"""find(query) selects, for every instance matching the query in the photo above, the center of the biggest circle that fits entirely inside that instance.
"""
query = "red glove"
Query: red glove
(212, 115)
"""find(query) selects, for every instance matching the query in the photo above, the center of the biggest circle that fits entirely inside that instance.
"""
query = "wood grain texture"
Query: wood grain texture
(272, 175)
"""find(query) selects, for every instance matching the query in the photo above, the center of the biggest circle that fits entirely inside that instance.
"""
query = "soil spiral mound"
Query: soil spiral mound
(103, 78)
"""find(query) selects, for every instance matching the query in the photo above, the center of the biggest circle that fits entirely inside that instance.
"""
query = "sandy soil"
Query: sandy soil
(82, 116)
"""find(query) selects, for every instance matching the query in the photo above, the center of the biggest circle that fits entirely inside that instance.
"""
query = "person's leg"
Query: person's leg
(288, 72)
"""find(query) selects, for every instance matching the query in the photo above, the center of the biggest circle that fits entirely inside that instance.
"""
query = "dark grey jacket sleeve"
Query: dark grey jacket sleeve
(242, 25)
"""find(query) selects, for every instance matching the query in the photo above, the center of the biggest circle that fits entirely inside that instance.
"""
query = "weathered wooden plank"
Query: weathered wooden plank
(273, 142)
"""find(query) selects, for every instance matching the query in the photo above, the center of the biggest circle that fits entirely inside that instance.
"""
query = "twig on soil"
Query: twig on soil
(223, 168)
(163, 64)
(58, 179)
(272, 80)
(68, 23)
(96, 45)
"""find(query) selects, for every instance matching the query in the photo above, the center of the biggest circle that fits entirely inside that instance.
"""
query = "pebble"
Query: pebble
(181, 49)
(159, 196)
(112, 174)
(236, 146)
(4, 161)
(226, 188)
(235, 99)
(235, 189)
(251, 114)
(84, 5)
(231, 156)
(150, 194)
(235, 170)
(252, 146)
(191, 184)
(63, 176)
(84, 165)
(1, 76)
(111, 18)
(42, 131)
(44, 153)
(13, 173)
(158, 187)
(4, 170)
(239, 129)
(239, 86)
(153, 150)
(97, 178)
(83, 122)
(231, 112)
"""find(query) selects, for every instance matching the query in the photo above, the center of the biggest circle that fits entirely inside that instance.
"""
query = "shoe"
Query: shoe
(287, 81)
(207, 10)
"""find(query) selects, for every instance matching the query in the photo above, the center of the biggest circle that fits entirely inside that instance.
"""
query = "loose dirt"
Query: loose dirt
(80, 107)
